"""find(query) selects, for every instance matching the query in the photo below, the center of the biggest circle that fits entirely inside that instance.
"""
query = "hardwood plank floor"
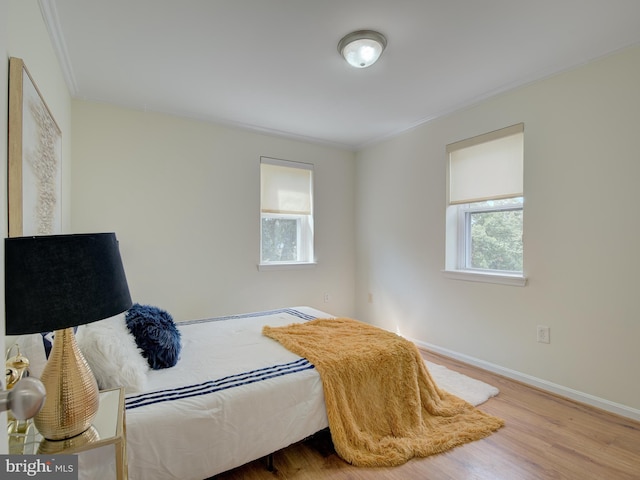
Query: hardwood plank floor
(544, 437)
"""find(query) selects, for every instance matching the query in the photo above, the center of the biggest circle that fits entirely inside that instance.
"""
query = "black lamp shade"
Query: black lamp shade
(59, 281)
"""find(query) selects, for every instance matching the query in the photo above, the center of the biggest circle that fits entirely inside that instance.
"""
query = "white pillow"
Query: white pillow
(112, 354)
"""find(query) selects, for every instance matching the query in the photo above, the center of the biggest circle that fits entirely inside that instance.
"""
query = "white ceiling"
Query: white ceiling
(273, 65)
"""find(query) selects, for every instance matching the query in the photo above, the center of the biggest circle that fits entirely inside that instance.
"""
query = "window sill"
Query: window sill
(262, 267)
(499, 278)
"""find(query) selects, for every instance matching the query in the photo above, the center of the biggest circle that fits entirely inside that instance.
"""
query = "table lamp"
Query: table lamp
(54, 283)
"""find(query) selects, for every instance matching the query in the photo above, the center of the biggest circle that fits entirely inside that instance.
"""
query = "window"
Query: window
(492, 237)
(286, 212)
(485, 207)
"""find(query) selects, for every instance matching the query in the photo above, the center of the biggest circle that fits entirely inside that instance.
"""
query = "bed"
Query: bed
(234, 396)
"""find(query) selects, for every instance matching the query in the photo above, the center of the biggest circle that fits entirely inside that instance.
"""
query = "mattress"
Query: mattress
(234, 396)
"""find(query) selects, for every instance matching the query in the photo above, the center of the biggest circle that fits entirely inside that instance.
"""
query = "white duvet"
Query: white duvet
(233, 397)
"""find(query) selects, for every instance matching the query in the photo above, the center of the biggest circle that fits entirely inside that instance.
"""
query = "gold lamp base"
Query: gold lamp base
(72, 392)
(87, 437)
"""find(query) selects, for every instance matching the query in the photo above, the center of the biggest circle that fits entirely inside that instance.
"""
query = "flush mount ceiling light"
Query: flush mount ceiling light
(362, 48)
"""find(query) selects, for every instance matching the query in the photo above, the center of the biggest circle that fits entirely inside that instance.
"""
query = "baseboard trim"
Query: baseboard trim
(561, 390)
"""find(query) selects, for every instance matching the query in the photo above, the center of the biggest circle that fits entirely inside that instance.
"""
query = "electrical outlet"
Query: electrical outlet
(327, 298)
(544, 334)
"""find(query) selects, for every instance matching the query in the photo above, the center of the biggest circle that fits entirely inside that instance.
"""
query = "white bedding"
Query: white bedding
(233, 397)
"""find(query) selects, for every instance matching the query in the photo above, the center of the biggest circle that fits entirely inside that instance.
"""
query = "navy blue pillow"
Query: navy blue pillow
(156, 334)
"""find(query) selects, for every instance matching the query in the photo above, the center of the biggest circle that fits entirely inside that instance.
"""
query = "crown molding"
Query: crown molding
(51, 20)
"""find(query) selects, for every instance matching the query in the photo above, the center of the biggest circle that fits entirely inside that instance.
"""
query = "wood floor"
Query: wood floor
(544, 437)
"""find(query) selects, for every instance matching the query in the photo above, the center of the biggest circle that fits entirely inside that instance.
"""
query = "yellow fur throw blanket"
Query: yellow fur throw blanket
(382, 404)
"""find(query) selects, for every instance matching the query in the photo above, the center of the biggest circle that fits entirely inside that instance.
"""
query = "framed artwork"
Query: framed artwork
(35, 157)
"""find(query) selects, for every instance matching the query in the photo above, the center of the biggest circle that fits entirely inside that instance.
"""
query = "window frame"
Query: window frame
(457, 228)
(465, 211)
(305, 223)
(303, 238)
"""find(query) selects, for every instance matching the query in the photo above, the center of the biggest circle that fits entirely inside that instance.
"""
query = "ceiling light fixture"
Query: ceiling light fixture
(362, 48)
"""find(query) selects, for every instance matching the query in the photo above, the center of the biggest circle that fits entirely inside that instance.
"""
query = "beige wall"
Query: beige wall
(29, 40)
(24, 35)
(582, 228)
(183, 199)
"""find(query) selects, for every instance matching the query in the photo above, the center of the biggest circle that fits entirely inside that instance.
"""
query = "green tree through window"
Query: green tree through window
(496, 240)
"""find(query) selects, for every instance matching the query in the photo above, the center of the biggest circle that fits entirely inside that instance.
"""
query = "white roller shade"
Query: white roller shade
(286, 187)
(487, 167)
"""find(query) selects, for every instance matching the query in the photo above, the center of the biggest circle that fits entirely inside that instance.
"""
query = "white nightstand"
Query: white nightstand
(109, 427)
